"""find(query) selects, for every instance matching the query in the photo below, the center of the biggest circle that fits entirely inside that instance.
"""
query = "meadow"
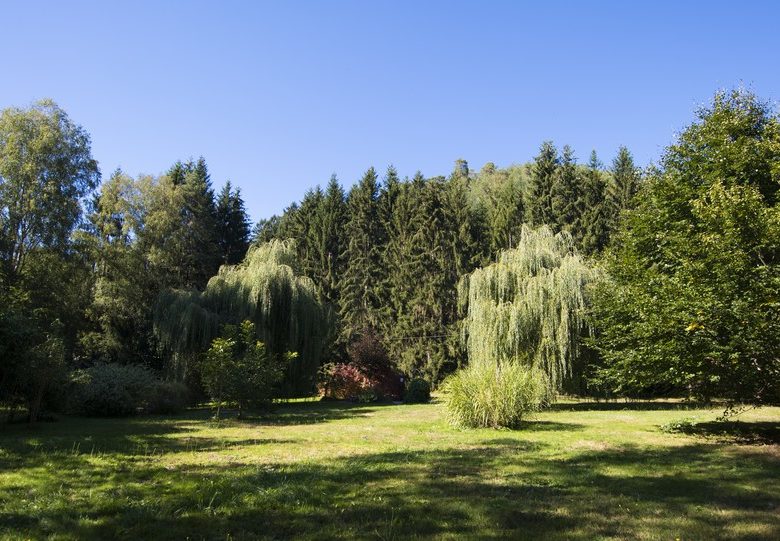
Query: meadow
(319, 470)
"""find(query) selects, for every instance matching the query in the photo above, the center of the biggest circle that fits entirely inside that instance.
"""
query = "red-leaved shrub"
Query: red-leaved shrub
(369, 371)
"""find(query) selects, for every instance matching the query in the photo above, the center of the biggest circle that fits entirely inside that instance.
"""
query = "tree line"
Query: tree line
(687, 251)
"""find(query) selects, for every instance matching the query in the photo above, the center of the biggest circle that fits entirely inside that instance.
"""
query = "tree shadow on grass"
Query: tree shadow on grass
(743, 432)
(505, 488)
(636, 405)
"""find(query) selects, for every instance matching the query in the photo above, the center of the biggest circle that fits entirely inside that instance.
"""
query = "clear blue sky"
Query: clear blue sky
(278, 96)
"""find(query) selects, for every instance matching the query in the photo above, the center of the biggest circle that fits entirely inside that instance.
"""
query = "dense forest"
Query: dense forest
(607, 279)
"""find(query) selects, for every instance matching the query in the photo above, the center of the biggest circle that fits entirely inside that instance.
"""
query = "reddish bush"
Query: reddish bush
(369, 371)
(343, 382)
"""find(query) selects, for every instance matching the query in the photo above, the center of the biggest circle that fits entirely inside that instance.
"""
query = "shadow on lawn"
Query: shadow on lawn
(749, 432)
(502, 488)
(637, 405)
(155, 434)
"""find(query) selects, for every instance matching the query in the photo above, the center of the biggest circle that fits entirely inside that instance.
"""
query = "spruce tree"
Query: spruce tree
(623, 186)
(359, 300)
(594, 220)
(544, 169)
(232, 225)
(566, 196)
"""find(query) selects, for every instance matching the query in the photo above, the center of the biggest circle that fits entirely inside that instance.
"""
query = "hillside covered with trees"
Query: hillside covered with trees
(610, 280)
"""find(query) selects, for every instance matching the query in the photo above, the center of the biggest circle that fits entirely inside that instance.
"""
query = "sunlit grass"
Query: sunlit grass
(327, 470)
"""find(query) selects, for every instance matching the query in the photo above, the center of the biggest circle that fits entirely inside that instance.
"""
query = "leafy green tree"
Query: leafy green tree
(268, 289)
(124, 290)
(692, 307)
(46, 168)
(238, 368)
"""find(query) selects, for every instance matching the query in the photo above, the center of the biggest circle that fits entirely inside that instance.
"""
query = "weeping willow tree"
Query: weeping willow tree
(267, 289)
(529, 306)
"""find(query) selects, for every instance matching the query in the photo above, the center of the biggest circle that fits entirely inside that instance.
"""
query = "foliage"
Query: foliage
(266, 289)
(499, 396)
(166, 397)
(529, 306)
(417, 391)
(239, 369)
(691, 307)
(370, 357)
(342, 381)
(46, 167)
(232, 225)
(111, 390)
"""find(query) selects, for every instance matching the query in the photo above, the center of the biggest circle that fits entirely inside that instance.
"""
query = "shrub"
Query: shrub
(239, 369)
(343, 382)
(418, 391)
(370, 357)
(495, 396)
(110, 390)
(167, 397)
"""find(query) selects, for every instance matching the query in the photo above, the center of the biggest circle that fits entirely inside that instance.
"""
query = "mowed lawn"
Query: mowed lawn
(316, 470)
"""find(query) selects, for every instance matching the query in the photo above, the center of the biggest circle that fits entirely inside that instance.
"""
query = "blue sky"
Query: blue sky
(277, 96)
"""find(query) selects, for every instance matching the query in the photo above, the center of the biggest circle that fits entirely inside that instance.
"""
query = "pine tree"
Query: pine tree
(594, 218)
(623, 186)
(232, 225)
(332, 220)
(199, 225)
(359, 301)
(566, 196)
(544, 169)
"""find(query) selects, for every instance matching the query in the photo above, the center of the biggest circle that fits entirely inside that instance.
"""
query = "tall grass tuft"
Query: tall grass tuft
(485, 395)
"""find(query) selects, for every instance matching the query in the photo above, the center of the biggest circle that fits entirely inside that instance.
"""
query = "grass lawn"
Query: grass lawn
(324, 470)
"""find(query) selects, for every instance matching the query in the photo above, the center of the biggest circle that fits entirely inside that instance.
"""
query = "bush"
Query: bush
(111, 390)
(167, 397)
(370, 357)
(343, 382)
(495, 396)
(418, 391)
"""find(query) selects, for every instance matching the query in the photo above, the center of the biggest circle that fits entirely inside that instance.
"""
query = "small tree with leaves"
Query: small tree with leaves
(238, 368)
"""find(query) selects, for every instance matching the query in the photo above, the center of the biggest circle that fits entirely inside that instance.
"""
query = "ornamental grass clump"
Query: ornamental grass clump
(495, 396)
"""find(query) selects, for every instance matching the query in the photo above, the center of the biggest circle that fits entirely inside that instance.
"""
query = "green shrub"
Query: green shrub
(495, 396)
(167, 397)
(417, 391)
(111, 390)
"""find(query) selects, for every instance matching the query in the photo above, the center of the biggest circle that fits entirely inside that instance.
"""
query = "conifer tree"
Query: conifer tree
(594, 219)
(566, 197)
(232, 225)
(359, 300)
(623, 186)
(544, 169)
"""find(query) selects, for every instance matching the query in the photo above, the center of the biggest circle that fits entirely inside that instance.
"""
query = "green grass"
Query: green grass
(327, 470)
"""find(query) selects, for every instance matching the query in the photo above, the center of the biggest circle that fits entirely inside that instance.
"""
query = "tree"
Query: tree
(529, 306)
(46, 167)
(359, 290)
(595, 232)
(566, 196)
(691, 307)
(545, 166)
(623, 186)
(267, 289)
(239, 368)
(180, 233)
(232, 225)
